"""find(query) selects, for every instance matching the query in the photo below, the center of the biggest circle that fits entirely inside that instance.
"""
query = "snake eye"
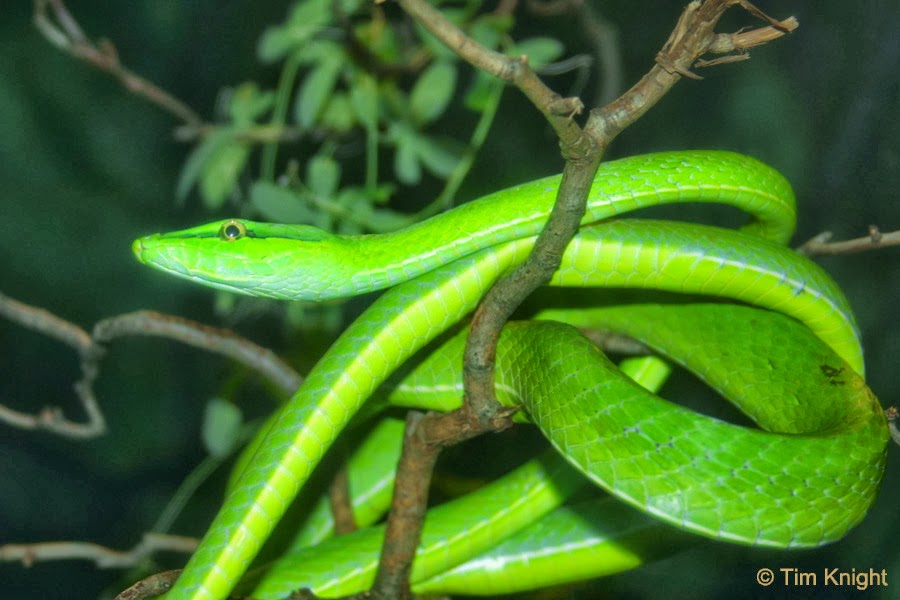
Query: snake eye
(232, 230)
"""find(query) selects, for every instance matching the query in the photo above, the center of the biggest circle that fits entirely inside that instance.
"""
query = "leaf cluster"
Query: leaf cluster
(358, 84)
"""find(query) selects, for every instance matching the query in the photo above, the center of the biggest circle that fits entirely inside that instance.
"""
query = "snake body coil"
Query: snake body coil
(711, 478)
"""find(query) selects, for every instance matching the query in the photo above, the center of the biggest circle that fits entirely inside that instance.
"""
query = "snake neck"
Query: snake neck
(285, 262)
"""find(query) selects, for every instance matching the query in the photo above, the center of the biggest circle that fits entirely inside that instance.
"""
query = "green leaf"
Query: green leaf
(221, 172)
(279, 204)
(382, 193)
(488, 29)
(323, 175)
(432, 92)
(307, 19)
(350, 6)
(539, 50)
(439, 155)
(221, 426)
(338, 115)
(274, 43)
(247, 103)
(364, 97)
(360, 202)
(483, 86)
(316, 88)
(317, 50)
(196, 162)
(352, 197)
(379, 40)
(406, 160)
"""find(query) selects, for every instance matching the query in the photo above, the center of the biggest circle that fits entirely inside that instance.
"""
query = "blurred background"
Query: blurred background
(85, 167)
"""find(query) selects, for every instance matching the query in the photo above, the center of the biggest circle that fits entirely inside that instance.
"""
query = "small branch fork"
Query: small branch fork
(51, 418)
(103, 557)
(53, 20)
(90, 349)
(68, 36)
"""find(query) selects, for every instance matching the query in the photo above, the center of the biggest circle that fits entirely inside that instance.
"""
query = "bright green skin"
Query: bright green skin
(453, 259)
(508, 508)
(842, 424)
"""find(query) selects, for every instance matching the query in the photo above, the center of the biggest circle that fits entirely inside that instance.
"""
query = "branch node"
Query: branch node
(891, 413)
(875, 234)
(566, 107)
(821, 244)
(69, 37)
(669, 66)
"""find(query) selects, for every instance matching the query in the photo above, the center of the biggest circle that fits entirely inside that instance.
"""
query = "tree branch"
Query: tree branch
(68, 36)
(557, 110)
(102, 556)
(341, 502)
(52, 418)
(821, 244)
(891, 414)
(152, 586)
(60, 28)
(212, 339)
(692, 37)
(91, 350)
(408, 506)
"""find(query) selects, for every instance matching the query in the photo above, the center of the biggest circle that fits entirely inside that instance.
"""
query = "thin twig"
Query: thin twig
(68, 36)
(51, 418)
(102, 556)
(264, 133)
(212, 339)
(601, 34)
(692, 37)
(90, 351)
(341, 502)
(403, 531)
(152, 586)
(46, 323)
(506, 295)
(615, 343)
(891, 413)
(821, 244)
(557, 110)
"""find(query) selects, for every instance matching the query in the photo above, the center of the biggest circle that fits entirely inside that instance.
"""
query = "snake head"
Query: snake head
(286, 262)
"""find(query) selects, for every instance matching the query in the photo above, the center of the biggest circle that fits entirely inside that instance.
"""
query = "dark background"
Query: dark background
(86, 167)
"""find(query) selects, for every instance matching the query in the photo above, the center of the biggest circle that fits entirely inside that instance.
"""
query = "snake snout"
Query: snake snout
(138, 248)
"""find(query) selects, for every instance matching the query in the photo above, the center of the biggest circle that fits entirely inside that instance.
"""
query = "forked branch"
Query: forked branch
(90, 348)
(693, 37)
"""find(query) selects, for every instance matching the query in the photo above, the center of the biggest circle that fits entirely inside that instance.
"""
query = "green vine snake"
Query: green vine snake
(702, 475)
